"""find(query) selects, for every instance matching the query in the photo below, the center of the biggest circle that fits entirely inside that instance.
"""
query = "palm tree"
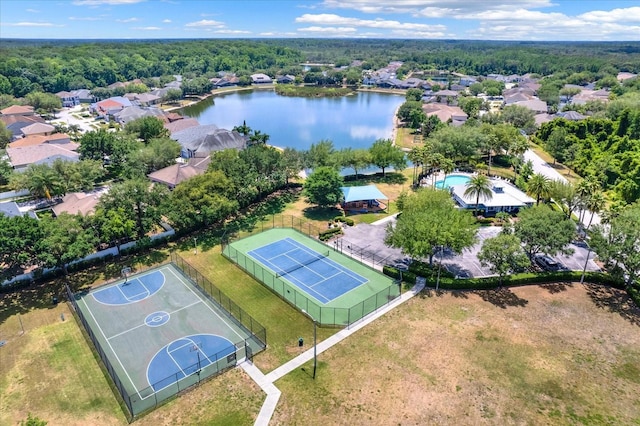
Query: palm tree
(447, 165)
(479, 186)
(517, 148)
(539, 186)
(585, 188)
(595, 203)
(258, 138)
(243, 130)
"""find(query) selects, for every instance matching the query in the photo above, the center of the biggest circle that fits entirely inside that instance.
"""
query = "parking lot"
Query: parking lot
(366, 243)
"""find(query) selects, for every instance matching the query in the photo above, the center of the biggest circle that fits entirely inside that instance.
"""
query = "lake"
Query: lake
(354, 121)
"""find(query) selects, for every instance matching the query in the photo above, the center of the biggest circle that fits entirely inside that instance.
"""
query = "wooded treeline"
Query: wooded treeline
(52, 66)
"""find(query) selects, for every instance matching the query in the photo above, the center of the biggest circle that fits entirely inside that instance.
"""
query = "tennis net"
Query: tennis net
(302, 264)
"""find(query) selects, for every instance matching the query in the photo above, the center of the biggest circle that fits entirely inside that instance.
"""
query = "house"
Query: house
(179, 125)
(179, 172)
(540, 119)
(83, 95)
(363, 199)
(467, 80)
(413, 83)
(535, 105)
(110, 106)
(517, 97)
(17, 110)
(446, 95)
(143, 99)
(32, 140)
(286, 79)
(46, 153)
(446, 113)
(260, 78)
(117, 85)
(590, 95)
(505, 198)
(623, 76)
(15, 123)
(81, 203)
(571, 115)
(131, 113)
(38, 129)
(207, 138)
(68, 99)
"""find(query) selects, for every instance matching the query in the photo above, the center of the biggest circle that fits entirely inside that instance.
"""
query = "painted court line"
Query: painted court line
(207, 305)
(145, 325)
(176, 363)
(112, 350)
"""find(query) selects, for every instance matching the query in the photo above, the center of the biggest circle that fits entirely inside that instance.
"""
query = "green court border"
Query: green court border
(341, 311)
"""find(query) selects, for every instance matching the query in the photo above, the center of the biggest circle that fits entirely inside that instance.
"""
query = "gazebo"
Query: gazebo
(363, 199)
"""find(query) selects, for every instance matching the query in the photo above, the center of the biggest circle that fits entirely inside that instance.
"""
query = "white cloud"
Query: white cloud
(278, 34)
(29, 24)
(328, 30)
(84, 18)
(630, 14)
(415, 6)
(32, 11)
(127, 20)
(147, 28)
(166, 21)
(232, 32)
(108, 2)
(331, 19)
(206, 23)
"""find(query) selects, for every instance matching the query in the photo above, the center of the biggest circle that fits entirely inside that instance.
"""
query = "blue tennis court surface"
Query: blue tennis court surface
(312, 272)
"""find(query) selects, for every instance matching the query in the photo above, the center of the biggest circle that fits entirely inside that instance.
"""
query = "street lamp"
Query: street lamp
(315, 343)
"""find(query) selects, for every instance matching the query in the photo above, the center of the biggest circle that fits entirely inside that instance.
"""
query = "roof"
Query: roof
(535, 105)
(10, 209)
(17, 109)
(177, 173)
(44, 153)
(208, 138)
(360, 193)
(37, 128)
(78, 203)
(445, 112)
(182, 124)
(146, 97)
(131, 113)
(508, 196)
(32, 140)
(65, 94)
(571, 115)
(11, 119)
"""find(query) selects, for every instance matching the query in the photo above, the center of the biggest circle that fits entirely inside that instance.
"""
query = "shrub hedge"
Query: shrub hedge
(344, 219)
(325, 235)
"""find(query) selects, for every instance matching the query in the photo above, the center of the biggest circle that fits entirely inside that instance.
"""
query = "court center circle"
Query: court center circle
(156, 319)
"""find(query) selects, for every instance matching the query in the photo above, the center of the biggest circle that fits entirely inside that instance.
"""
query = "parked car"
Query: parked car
(547, 263)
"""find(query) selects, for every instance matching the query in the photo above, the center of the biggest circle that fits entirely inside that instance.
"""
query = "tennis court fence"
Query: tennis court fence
(325, 316)
(147, 399)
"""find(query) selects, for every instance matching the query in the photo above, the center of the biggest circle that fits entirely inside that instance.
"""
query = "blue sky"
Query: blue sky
(568, 20)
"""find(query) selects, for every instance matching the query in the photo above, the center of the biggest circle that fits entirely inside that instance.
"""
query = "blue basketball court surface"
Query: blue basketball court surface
(314, 273)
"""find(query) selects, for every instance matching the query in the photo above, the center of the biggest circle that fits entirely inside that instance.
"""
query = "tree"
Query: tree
(147, 128)
(357, 159)
(478, 187)
(519, 117)
(114, 225)
(503, 254)
(617, 243)
(65, 238)
(566, 195)
(18, 238)
(595, 204)
(470, 105)
(202, 201)
(543, 230)
(159, 153)
(384, 154)
(33, 421)
(258, 138)
(320, 154)
(41, 180)
(539, 187)
(140, 200)
(5, 135)
(405, 110)
(243, 129)
(43, 101)
(172, 96)
(322, 187)
(557, 144)
(430, 220)
(293, 163)
(414, 94)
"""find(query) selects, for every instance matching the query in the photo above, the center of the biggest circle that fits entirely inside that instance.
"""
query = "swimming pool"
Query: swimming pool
(452, 180)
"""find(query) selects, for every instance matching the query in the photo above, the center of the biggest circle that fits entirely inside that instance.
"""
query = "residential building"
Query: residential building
(179, 172)
(81, 203)
(46, 153)
(446, 113)
(505, 198)
(207, 138)
(17, 110)
(261, 78)
(43, 129)
(68, 99)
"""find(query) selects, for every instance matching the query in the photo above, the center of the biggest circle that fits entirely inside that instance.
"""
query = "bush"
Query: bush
(344, 219)
(326, 235)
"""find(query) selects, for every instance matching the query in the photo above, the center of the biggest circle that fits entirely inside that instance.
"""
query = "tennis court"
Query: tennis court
(160, 334)
(331, 287)
(313, 272)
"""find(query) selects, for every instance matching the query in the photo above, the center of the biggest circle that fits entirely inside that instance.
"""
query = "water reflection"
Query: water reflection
(353, 121)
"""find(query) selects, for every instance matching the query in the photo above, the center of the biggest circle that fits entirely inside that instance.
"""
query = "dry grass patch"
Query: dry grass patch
(530, 355)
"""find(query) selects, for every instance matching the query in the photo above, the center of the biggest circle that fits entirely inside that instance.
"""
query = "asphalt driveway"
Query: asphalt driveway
(366, 243)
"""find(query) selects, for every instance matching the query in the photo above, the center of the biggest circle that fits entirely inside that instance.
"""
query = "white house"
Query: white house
(506, 198)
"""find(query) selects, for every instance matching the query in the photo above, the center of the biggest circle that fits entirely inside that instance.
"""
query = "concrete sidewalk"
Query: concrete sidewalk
(266, 381)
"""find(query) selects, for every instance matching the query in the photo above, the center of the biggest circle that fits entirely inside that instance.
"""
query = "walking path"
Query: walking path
(542, 167)
(266, 381)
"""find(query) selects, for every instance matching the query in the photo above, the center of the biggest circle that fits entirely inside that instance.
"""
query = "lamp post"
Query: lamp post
(315, 343)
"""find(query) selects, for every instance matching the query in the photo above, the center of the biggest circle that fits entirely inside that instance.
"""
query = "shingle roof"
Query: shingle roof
(44, 153)
(32, 140)
(77, 203)
(175, 174)
(17, 109)
(179, 125)
(209, 138)
(37, 128)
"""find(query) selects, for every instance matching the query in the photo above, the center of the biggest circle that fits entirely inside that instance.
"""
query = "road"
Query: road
(542, 167)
